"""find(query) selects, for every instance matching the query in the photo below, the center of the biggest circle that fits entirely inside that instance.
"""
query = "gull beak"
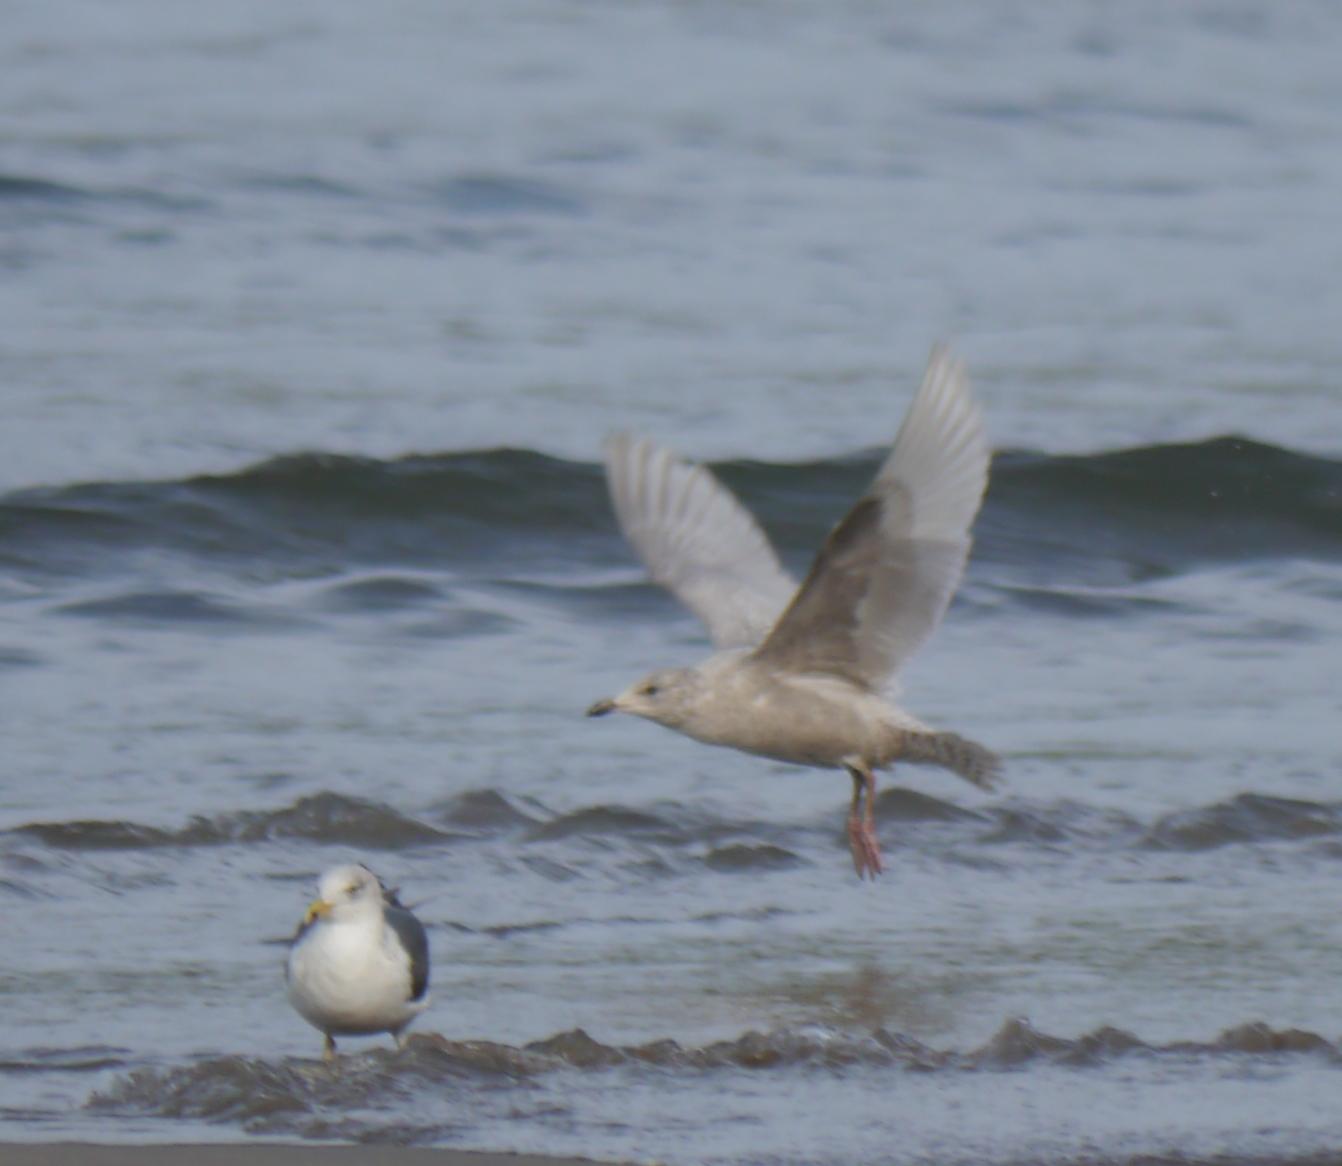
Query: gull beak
(601, 708)
(317, 909)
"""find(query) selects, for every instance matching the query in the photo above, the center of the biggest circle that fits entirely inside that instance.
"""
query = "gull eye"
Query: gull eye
(650, 690)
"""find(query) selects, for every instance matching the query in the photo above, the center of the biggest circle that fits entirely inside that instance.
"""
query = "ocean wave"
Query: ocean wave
(332, 818)
(1245, 818)
(323, 817)
(723, 844)
(302, 1096)
(1156, 510)
(1106, 518)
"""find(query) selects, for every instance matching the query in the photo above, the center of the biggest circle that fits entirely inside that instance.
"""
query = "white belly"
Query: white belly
(344, 980)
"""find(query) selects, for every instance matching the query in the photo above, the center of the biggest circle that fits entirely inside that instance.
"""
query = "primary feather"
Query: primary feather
(697, 541)
(883, 578)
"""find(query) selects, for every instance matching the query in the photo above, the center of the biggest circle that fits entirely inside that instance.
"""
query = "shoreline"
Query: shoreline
(263, 1154)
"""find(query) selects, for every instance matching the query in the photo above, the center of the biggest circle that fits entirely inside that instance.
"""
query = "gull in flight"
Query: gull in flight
(804, 674)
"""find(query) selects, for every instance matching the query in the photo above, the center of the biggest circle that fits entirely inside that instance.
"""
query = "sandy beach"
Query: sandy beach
(261, 1154)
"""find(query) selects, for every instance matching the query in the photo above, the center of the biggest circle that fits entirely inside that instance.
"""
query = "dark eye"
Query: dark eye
(352, 890)
(651, 690)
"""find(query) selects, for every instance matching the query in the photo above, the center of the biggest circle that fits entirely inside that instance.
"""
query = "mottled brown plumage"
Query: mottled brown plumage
(805, 672)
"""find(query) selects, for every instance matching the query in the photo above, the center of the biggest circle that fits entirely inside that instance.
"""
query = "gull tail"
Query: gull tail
(960, 755)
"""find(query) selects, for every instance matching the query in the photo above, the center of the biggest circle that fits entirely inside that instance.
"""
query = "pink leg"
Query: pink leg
(862, 824)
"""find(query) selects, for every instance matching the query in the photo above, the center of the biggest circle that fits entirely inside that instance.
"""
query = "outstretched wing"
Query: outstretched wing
(882, 581)
(697, 541)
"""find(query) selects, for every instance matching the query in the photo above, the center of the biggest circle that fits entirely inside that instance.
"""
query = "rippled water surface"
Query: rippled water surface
(315, 315)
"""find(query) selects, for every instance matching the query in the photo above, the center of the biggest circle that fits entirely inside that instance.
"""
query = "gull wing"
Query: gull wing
(882, 581)
(697, 541)
(410, 931)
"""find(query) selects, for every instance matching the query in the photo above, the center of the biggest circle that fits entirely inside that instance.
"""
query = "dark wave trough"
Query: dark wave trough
(1100, 518)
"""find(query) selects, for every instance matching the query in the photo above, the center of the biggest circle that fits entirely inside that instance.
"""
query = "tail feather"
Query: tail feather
(960, 755)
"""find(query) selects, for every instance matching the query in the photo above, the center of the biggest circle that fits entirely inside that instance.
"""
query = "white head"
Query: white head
(345, 893)
(668, 696)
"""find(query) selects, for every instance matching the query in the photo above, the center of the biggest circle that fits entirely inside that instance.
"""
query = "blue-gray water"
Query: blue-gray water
(314, 316)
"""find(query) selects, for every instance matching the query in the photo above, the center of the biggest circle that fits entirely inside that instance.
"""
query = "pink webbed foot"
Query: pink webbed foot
(866, 850)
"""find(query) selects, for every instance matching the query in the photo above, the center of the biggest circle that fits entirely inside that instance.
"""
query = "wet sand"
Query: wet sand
(262, 1154)
(307, 1154)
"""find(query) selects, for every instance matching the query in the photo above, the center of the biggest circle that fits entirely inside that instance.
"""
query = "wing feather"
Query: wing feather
(697, 541)
(412, 936)
(885, 575)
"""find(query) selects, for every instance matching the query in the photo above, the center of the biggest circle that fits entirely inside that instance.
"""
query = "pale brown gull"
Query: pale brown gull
(806, 674)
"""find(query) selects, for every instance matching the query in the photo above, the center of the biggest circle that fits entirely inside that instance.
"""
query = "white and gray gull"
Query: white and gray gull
(805, 674)
(359, 963)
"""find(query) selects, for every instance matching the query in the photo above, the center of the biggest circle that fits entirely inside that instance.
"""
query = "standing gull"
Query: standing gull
(804, 674)
(360, 961)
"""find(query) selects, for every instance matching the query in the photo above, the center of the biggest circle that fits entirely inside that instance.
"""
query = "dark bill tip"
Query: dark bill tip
(601, 708)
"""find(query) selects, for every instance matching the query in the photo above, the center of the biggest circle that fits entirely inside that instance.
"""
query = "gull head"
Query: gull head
(667, 696)
(346, 892)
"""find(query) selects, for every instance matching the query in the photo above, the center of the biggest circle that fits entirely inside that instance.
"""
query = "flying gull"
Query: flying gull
(805, 674)
(359, 963)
